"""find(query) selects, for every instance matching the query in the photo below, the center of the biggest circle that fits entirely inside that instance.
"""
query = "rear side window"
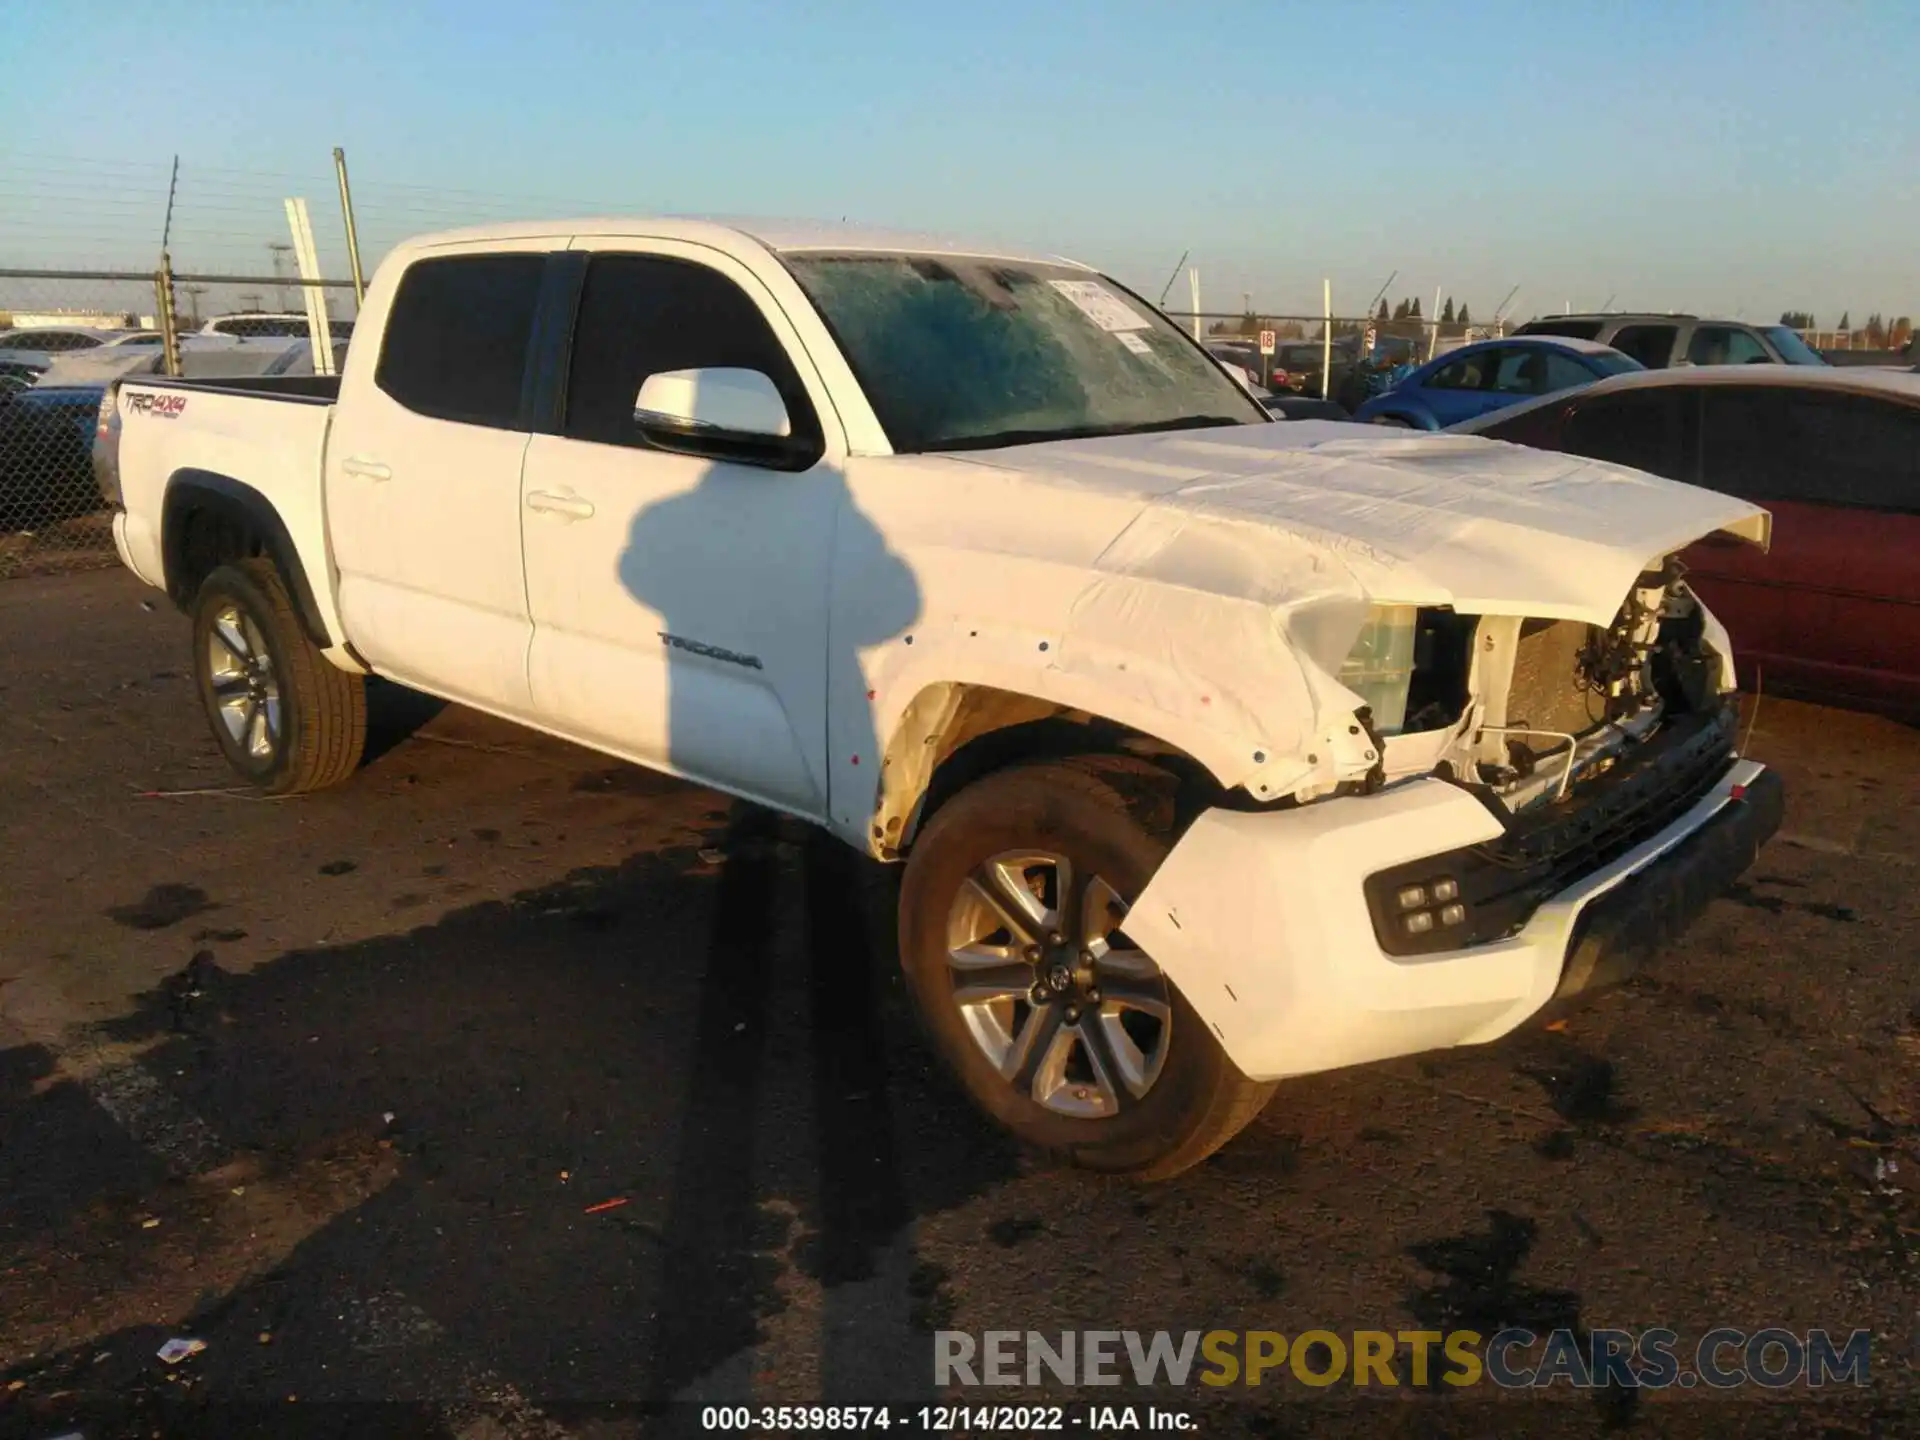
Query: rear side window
(641, 315)
(1651, 345)
(1772, 443)
(1469, 372)
(1575, 329)
(1643, 430)
(455, 346)
(1725, 345)
(50, 342)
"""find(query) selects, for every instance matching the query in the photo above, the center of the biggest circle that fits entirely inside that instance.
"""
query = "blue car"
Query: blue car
(1491, 375)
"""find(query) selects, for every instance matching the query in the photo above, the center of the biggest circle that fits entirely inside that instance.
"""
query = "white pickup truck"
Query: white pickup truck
(1218, 750)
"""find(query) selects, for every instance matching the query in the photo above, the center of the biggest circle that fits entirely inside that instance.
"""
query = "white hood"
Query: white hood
(1314, 512)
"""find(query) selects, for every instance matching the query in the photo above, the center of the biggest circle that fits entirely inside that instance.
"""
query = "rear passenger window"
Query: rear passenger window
(1651, 345)
(1576, 329)
(1643, 431)
(455, 345)
(1773, 443)
(641, 315)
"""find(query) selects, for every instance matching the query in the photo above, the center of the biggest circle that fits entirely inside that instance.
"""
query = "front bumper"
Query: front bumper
(1262, 921)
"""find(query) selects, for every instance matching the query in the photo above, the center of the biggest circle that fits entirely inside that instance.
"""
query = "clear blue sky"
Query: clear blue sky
(1711, 154)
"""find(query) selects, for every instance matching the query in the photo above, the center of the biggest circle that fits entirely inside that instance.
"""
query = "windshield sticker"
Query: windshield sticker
(1100, 305)
(1134, 341)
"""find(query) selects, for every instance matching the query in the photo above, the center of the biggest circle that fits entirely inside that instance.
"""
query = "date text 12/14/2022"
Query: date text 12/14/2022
(943, 1419)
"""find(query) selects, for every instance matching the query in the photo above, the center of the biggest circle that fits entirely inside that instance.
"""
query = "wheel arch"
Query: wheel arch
(953, 733)
(208, 520)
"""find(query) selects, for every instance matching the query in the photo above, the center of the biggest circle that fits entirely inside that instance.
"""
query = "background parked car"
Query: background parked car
(1658, 341)
(1286, 405)
(1833, 609)
(45, 436)
(1491, 375)
(255, 325)
(48, 433)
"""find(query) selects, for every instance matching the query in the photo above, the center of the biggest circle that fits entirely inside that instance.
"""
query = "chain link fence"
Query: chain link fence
(1363, 351)
(66, 336)
(52, 514)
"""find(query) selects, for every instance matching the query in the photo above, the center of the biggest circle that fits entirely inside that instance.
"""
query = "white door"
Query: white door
(679, 603)
(423, 479)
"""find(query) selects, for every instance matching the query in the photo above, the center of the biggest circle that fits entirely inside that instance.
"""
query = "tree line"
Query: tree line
(1879, 333)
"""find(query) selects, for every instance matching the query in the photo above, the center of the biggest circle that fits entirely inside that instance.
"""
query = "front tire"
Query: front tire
(1010, 935)
(283, 715)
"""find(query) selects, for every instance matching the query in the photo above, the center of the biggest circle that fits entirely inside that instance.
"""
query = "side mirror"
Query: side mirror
(722, 412)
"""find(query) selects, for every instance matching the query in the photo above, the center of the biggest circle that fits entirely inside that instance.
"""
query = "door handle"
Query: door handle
(566, 504)
(366, 469)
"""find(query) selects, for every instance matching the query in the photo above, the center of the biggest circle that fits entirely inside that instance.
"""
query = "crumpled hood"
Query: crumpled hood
(1292, 514)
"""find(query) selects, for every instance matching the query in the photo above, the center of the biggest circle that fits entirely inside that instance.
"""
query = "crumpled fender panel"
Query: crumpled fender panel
(1205, 586)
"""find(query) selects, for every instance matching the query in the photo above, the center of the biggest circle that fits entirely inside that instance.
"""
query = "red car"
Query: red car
(1832, 611)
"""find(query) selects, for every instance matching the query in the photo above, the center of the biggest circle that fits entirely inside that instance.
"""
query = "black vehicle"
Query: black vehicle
(1287, 405)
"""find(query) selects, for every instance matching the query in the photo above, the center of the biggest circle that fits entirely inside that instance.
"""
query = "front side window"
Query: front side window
(1535, 370)
(1769, 443)
(50, 342)
(644, 315)
(1725, 345)
(959, 353)
(455, 346)
(1651, 345)
(1469, 372)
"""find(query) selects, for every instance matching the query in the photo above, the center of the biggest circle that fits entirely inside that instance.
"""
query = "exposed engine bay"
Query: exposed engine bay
(1531, 709)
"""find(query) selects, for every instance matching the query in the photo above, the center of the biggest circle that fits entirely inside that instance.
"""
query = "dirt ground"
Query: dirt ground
(509, 1090)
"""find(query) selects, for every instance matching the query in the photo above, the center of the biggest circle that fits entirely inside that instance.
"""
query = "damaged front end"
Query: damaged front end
(1581, 740)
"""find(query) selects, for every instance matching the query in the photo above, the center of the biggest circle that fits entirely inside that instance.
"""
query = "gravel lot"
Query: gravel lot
(341, 1085)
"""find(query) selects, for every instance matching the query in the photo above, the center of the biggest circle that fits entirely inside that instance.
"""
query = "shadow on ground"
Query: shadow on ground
(657, 1034)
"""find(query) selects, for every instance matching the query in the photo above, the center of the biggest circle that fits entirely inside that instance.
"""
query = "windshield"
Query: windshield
(958, 353)
(1792, 348)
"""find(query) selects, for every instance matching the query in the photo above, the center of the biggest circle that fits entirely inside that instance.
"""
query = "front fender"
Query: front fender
(1257, 738)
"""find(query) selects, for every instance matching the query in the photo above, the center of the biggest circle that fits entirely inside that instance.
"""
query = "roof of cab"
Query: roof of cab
(1901, 385)
(782, 236)
(1863, 379)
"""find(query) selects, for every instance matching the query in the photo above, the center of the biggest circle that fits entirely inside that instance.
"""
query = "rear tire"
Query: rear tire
(283, 715)
(1056, 1025)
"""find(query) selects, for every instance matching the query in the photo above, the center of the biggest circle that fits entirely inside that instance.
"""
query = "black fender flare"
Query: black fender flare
(203, 491)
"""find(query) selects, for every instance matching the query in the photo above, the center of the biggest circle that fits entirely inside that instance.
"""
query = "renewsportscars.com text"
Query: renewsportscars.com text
(1722, 1359)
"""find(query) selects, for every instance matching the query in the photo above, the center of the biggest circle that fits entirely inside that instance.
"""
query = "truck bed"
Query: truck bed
(260, 439)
